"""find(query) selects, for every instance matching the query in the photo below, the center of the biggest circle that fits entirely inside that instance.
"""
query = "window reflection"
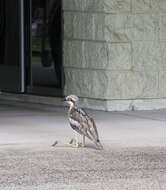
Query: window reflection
(46, 43)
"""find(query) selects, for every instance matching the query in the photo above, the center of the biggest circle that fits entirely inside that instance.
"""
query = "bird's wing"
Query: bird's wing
(85, 124)
(78, 127)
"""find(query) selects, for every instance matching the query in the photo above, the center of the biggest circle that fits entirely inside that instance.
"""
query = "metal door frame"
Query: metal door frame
(22, 48)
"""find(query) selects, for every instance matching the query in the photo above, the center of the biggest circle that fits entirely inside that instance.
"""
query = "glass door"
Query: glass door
(46, 47)
(11, 46)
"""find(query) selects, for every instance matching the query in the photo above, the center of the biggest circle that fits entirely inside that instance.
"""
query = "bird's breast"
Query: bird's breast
(73, 122)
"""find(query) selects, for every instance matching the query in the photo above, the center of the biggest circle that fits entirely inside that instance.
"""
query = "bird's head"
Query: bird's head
(72, 100)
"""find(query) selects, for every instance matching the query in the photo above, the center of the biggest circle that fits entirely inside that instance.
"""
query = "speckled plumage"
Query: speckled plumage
(81, 122)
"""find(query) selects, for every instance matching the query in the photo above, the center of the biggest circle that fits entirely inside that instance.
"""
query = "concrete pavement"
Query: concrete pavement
(134, 155)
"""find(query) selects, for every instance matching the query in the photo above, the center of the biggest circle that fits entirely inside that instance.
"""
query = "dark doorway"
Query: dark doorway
(31, 47)
(11, 46)
(46, 47)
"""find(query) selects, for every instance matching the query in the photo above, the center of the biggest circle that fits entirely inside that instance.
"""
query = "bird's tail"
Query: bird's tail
(99, 145)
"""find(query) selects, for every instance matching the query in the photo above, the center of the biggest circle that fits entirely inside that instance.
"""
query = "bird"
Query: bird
(81, 123)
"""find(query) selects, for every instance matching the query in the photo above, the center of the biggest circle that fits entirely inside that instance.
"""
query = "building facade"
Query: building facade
(114, 53)
(111, 53)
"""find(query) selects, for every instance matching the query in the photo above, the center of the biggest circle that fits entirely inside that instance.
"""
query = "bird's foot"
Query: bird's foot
(82, 145)
(79, 145)
(61, 143)
(75, 144)
(55, 143)
(72, 141)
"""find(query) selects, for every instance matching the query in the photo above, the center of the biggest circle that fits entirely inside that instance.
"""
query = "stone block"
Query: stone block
(145, 6)
(149, 84)
(99, 27)
(123, 105)
(86, 83)
(113, 28)
(163, 27)
(132, 85)
(92, 5)
(151, 27)
(162, 6)
(96, 55)
(90, 103)
(85, 54)
(88, 26)
(83, 5)
(104, 6)
(72, 5)
(162, 86)
(115, 50)
(111, 85)
(119, 105)
(118, 28)
(149, 104)
(117, 6)
(121, 85)
(73, 54)
(138, 27)
(162, 65)
(68, 25)
(147, 56)
(83, 26)
(146, 27)
(119, 56)
(128, 27)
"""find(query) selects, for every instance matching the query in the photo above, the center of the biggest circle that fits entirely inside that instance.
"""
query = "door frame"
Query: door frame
(22, 47)
(30, 89)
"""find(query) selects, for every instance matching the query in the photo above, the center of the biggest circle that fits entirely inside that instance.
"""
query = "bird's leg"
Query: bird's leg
(73, 143)
(76, 140)
(77, 144)
(61, 143)
(83, 141)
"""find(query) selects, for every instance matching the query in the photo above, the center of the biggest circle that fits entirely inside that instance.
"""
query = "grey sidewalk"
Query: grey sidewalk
(134, 156)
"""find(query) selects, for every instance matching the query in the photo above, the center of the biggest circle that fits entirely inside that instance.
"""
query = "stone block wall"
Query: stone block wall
(115, 53)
